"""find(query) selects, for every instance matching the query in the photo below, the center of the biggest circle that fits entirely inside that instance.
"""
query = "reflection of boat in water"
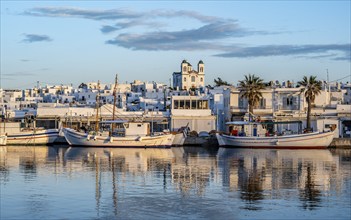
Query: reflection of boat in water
(78, 153)
(256, 135)
(275, 154)
(267, 169)
(129, 159)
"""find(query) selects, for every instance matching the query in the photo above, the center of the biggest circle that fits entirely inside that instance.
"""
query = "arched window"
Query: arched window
(193, 79)
(201, 79)
(201, 69)
(184, 69)
(184, 79)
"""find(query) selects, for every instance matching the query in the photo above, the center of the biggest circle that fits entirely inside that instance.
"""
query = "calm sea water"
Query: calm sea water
(177, 183)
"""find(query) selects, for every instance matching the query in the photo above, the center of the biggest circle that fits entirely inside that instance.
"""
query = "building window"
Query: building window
(184, 79)
(176, 104)
(262, 103)
(184, 69)
(193, 79)
(201, 79)
(181, 104)
(289, 101)
(193, 104)
(187, 104)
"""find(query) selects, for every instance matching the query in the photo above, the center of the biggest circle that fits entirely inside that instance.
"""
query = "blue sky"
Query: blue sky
(70, 42)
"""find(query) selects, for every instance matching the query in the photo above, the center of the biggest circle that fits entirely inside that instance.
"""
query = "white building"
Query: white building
(193, 111)
(188, 78)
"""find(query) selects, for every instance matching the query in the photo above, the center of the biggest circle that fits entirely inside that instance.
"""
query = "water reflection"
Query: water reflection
(127, 183)
(254, 172)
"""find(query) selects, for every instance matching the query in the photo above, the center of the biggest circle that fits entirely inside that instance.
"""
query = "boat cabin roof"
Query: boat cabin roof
(113, 122)
(262, 123)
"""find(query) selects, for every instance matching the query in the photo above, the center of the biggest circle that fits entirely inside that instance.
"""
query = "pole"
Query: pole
(152, 121)
(217, 118)
(114, 103)
(97, 107)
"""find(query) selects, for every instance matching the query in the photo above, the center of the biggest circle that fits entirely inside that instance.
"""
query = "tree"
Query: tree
(311, 87)
(250, 88)
(83, 86)
(220, 82)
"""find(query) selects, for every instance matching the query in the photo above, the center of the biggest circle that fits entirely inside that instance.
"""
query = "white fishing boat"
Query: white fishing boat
(26, 132)
(127, 134)
(117, 133)
(33, 137)
(257, 135)
(180, 136)
(3, 140)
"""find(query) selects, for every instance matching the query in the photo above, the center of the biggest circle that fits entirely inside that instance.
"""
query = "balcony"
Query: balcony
(238, 109)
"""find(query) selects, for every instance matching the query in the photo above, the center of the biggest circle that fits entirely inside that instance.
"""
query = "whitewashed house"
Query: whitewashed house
(193, 111)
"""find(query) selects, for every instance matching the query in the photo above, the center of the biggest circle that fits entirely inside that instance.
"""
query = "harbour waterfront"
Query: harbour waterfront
(62, 182)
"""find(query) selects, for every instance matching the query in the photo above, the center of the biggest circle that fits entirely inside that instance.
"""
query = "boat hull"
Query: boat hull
(179, 139)
(308, 140)
(75, 138)
(3, 140)
(40, 137)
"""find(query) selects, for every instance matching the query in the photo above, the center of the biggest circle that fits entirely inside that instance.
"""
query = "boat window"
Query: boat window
(332, 127)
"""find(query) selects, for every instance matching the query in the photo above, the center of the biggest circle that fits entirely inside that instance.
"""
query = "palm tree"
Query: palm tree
(311, 87)
(250, 88)
(220, 82)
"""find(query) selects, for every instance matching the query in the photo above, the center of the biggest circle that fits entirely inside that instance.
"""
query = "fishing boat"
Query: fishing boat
(127, 134)
(37, 136)
(26, 132)
(3, 140)
(268, 135)
(117, 133)
(180, 136)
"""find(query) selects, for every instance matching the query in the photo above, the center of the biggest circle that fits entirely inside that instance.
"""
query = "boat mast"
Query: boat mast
(114, 102)
(97, 107)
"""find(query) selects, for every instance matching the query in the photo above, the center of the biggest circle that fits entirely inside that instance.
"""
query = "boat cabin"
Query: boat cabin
(268, 128)
(124, 128)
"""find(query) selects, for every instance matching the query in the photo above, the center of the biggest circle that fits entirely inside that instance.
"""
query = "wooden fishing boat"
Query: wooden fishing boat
(33, 137)
(255, 135)
(130, 134)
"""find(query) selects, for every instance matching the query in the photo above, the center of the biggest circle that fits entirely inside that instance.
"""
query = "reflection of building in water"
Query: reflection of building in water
(193, 173)
(267, 169)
